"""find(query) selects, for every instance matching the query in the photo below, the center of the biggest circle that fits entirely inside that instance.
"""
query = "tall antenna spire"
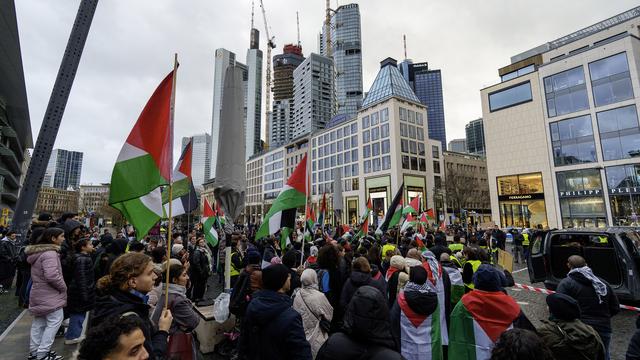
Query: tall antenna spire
(298, 25)
(404, 41)
(252, 14)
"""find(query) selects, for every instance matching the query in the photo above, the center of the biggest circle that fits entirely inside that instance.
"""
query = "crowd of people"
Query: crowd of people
(330, 295)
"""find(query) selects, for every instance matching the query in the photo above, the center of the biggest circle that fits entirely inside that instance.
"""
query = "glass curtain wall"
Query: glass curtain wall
(581, 201)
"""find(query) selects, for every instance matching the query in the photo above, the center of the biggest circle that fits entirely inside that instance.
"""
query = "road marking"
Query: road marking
(521, 270)
(522, 302)
(13, 324)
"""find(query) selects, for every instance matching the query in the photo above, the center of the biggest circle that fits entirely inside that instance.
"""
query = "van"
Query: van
(612, 253)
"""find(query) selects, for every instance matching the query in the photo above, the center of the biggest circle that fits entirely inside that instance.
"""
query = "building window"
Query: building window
(413, 149)
(386, 146)
(384, 131)
(610, 80)
(404, 145)
(435, 152)
(374, 118)
(421, 149)
(354, 171)
(419, 119)
(384, 115)
(354, 141)
(354, 183)
(405, 162)
(366, 151)
(376, 164)
(366, 136)
(511, 96)
(572, 141)
(624, 193)
(420, 133)
(414, 163)
(386, 162)
(619, 133)
(412, 117)
(403, 114)
(354, 155)
(346, 130)
(365, 121)
(367, 166)
(375, 149)
(436, 167)
(581, 202)
(403, 130)
(566, 92)
(354, 127)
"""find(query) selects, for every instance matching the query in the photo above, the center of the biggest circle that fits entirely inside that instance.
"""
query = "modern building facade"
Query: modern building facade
(223, 59)
(427, 84)
(281, 122)
(200, 159)
(562, 131)
(475, 137)
(384, 146)
(15, 124)
(458, 145)
(93, 198)
(313, 95)
(63, 170)
(466, 188)
(57, 201)
(254, 96)
(346, 52)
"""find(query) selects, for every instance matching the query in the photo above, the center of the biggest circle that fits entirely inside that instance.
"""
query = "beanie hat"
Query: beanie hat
(176, 248)
(563, 307)
(274, 277)
(253, 256)
(398, 262)
(44, 217)
(489, 278)
(418, 275)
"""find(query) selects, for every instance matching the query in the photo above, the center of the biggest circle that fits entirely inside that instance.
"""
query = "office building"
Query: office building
(313, 95)
(253, 96)
(15, 125)
(427, 84)
(200, 161)
(475, 137)
(281, 122)
(63, 170)
(466, 188)
(346, 52)
(93, 199)
(562, 131)
(223, 59)
(57, 201)
(457, 145)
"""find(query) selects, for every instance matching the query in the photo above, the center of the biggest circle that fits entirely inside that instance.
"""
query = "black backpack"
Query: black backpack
(241, 295)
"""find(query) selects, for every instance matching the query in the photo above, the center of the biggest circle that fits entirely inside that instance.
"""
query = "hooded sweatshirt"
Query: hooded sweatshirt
(272, 329)
(355, 281)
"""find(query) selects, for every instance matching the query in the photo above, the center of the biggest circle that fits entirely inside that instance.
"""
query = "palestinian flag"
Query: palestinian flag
(208, 224)
(394, 213)
(183, 194)
(220, 219)
(457, 285)
(420, 243)
(310, 222)
(423, 224)
(430, 215)
(413, 207)
(409, 221)
(282, 213)
(418, 326)
(364, 220)
(144, 162)
(477, 322)
(323, 211)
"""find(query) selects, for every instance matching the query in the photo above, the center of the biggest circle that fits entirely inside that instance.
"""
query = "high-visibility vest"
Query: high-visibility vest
(387, 247)
(475, 264)
(455, 247)
(233, 271)
(603, 239)
(525, 241)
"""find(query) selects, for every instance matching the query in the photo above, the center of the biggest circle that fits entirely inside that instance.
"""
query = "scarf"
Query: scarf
(175, 289)
(144, 297)
(424, 288)
(598, 285)
(434, 271)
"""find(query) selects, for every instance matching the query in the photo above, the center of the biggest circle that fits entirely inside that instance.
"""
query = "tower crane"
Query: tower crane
(270, 45)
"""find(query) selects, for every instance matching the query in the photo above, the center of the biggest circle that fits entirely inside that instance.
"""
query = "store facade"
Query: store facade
(521, 201)
(623, 184)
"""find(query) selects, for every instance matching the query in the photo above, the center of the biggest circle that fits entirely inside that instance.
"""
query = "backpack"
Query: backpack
(321, 274)
(241, 295)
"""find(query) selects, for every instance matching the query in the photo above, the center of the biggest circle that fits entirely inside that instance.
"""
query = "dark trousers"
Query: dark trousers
(199, 288)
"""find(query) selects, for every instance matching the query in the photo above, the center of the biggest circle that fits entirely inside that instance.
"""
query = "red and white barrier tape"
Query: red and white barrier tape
(549, 292)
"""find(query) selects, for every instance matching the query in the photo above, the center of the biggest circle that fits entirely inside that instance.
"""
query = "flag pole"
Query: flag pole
(169, 228)
(306, 202)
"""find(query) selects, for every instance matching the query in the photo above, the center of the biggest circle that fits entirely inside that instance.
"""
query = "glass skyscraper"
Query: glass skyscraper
(200, 161)
(63, 170)
(346, 49)
(475, 137)
(427, 84)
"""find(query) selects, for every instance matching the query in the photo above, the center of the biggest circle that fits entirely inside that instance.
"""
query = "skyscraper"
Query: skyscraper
(427, 84)
(458, 145)
(282, 110)
(346, 51)
(313, 94)
(475, 137)
(224, 59)
(63, 170)
(200, 161)
(253, 96)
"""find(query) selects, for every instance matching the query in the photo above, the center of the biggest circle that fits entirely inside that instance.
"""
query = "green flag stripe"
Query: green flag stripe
(133, 178)
(461, 334)
(289, 198)
(209, 235)
(141, 217)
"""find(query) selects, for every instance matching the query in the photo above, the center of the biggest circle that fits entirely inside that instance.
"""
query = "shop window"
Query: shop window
(623, 182)
(581, 201)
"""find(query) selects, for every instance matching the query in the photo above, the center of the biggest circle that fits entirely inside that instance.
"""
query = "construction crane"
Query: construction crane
(270, 45)
(298, 26)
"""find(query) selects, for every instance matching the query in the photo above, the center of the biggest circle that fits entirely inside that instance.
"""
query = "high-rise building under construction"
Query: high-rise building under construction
(281, 123)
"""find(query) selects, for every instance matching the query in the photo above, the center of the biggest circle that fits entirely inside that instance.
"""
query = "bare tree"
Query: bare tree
(461, 189)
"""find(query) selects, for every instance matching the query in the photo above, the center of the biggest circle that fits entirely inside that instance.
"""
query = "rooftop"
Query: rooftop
(389, 83)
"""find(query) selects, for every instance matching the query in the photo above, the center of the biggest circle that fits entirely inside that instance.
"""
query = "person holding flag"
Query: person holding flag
(364, 220)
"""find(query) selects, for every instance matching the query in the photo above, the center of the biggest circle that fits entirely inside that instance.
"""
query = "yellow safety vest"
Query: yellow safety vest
(233, 271)
(458, 262)
(525, 242)
(455, 247)
(603, 239)
(387, 247)
(475, 264)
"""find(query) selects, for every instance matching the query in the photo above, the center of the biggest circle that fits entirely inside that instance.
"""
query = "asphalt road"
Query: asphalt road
(534, 306)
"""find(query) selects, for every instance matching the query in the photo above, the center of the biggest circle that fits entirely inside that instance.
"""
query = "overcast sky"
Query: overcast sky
(131, 44)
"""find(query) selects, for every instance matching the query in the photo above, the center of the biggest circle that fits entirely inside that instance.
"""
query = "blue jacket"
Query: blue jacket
(272, 329)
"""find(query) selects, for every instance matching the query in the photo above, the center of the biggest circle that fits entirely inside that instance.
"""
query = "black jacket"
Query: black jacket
(200, 266)
(355, 281)
(8, 259)
(119, 303)
(421, 303)
(593, 313)
(81, 293)
(272, 329)
(367, 330)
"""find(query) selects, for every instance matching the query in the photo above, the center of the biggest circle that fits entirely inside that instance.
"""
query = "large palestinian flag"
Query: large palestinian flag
(394, 213)
(209, 224)
(413, 207)
(183, 194)
(144, 162)
(421, 329)
(478, 321)
(282, 213)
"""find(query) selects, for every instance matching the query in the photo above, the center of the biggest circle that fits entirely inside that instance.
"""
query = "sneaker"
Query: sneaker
(51, 355)
(73, 341)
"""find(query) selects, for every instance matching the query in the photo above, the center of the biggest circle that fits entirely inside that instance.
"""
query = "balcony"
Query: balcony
(10, 159)
(15, 144)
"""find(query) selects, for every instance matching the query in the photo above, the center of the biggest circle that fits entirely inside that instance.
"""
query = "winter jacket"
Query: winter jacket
(313, 306)
(355, 281)
(295, 281)
(48, 290)
(412, 318)
(272, 329)
(367, 331)
(118, 303)
(185, 318)
(81, 295)
(593, 313)
(200, 268)
(571, 340)
(8, 258)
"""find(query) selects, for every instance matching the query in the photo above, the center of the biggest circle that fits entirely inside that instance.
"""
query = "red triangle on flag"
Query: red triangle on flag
(415, 204)
(297, 179)
(207, 211)
(185, 159)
